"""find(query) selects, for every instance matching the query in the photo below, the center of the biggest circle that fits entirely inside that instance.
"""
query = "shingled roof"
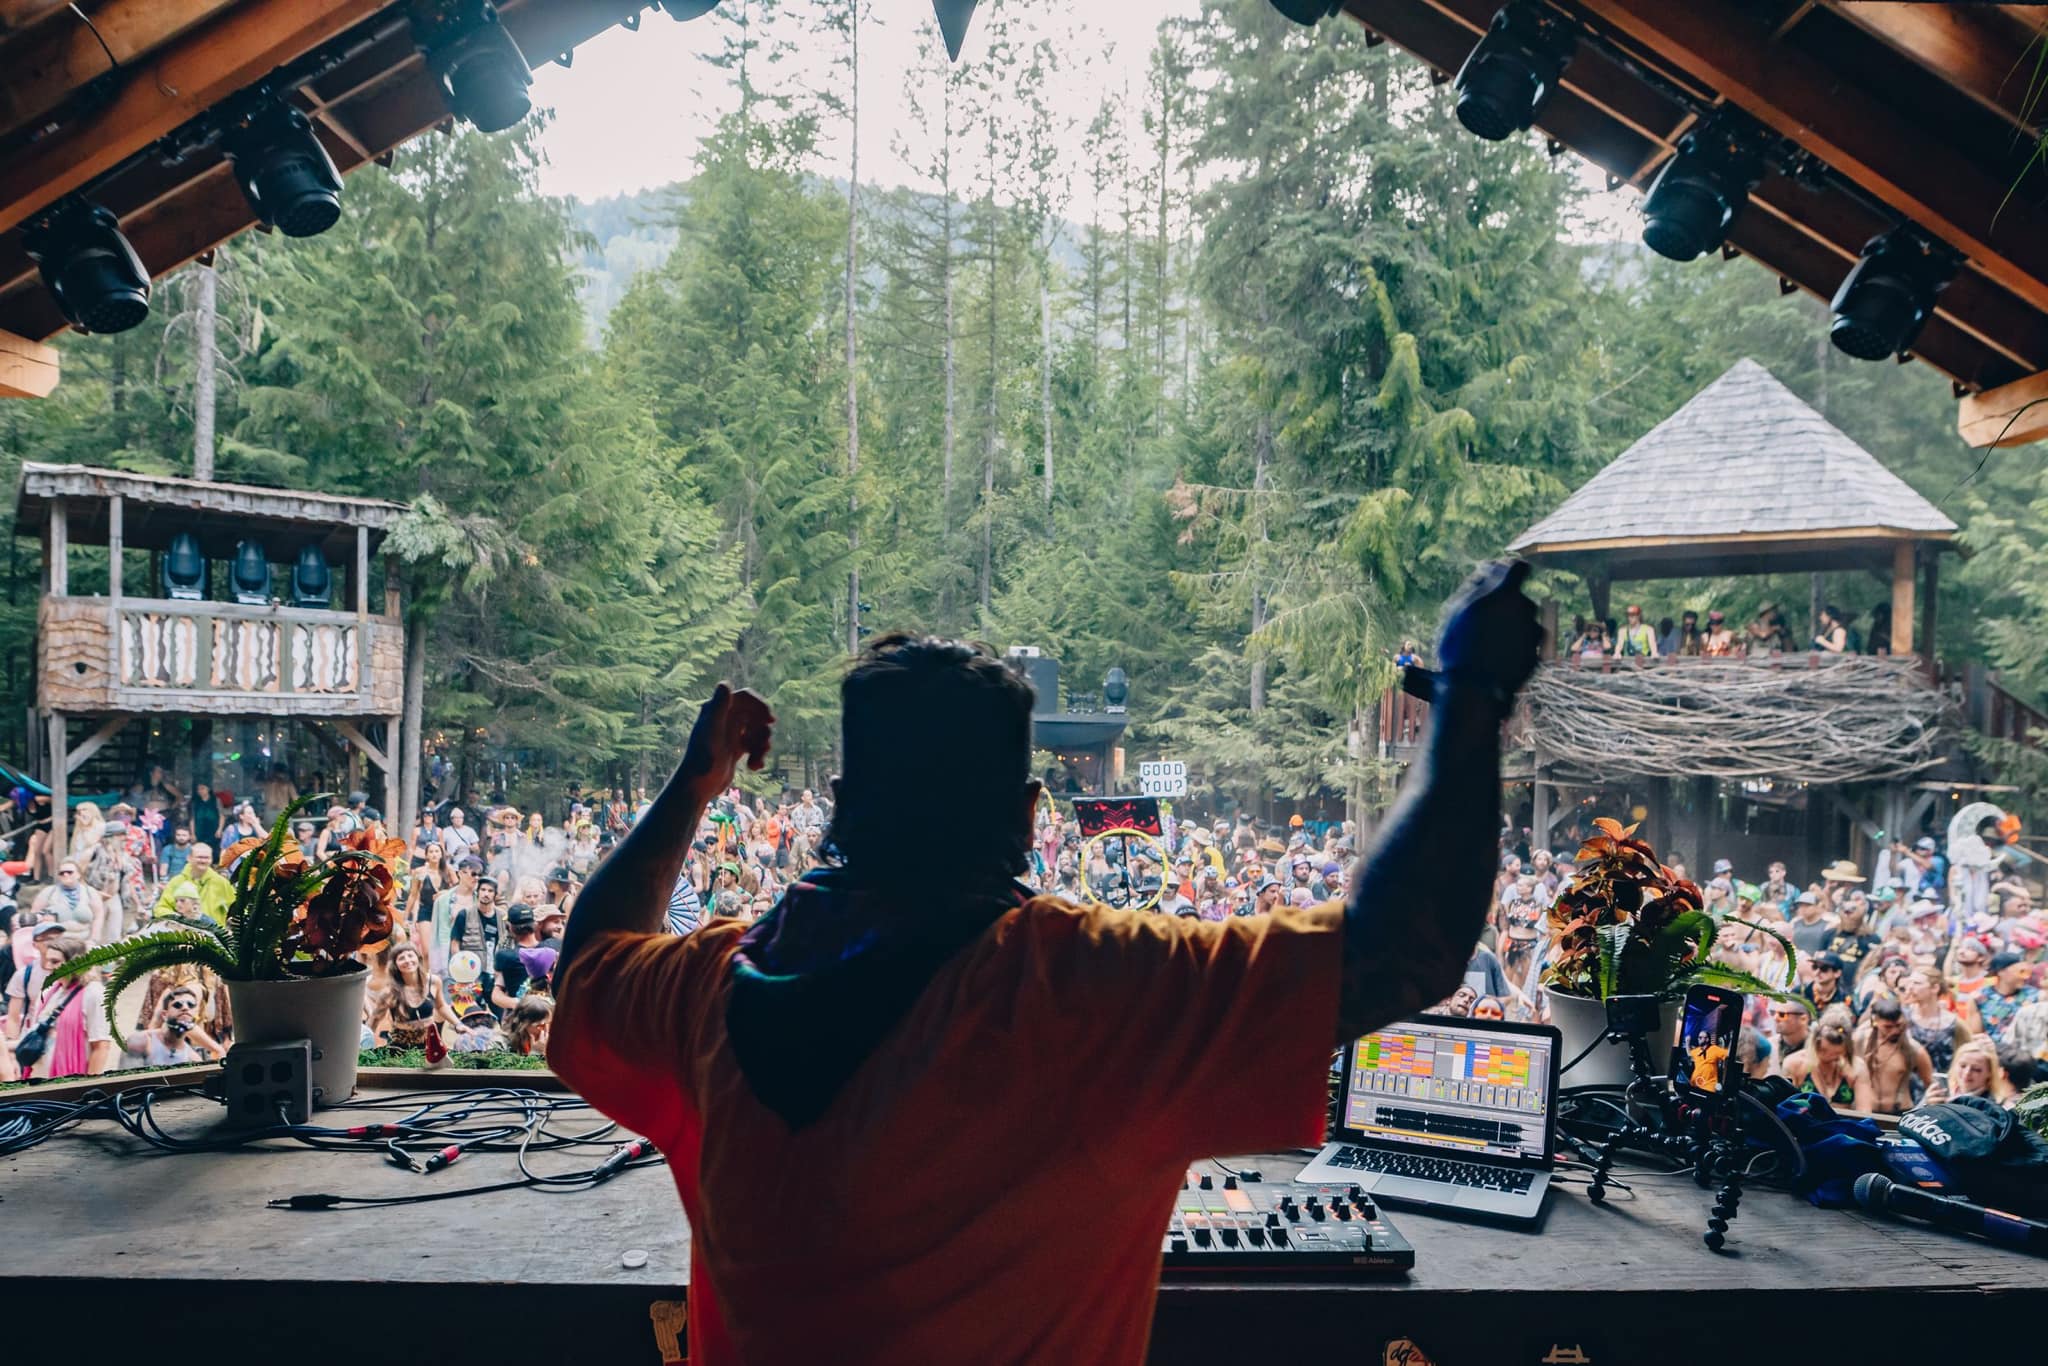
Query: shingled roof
(1744, 471)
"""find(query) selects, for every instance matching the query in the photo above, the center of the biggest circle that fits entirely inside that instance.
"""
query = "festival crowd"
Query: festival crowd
(1923, 979)
(1834, 633)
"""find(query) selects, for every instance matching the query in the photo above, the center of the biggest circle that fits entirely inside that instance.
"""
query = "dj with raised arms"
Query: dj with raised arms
(978, 1104)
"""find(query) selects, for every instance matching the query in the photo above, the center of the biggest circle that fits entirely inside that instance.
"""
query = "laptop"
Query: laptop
(1448, 1114)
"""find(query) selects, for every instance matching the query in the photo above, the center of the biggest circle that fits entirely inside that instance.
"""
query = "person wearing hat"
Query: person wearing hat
(1809, 929)
(1826, 987)
(479, 928)
(1638, 640)
(1768, 632)
(2000, 1000)
(200, 877)
(1268, 896)
(1719, 641)
(508, 969)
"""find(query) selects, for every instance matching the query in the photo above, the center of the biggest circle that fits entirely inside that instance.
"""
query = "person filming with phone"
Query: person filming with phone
(175, 1035)
(932, 1023)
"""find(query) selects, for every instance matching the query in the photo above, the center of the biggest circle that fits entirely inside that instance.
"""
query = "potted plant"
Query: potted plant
(287, 945)
(1628, 926)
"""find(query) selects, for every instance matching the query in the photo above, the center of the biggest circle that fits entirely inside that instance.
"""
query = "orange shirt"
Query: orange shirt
(993, 1184)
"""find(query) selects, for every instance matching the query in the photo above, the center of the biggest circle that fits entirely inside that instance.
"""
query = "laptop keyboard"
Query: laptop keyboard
(1447, 1170)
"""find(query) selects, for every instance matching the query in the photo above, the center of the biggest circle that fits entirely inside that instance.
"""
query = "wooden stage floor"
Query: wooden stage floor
(108, 1244)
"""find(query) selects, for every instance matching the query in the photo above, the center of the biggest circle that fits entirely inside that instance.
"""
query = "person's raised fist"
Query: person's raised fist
(1491, 636)
(730, 727)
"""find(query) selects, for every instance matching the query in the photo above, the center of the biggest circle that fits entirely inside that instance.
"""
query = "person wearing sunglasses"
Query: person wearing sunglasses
(81, 910)
(175, 1036)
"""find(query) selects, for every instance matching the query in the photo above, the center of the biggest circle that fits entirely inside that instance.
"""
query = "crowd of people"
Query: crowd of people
(1916, 982)
(1835, 632)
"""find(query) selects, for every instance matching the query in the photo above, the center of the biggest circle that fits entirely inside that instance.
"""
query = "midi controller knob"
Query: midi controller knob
(1208, 1183)
(1202, 1237)
(1229, 1235)
(1179, 1243)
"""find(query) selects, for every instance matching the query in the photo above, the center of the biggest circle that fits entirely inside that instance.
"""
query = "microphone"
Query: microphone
(1881, 1193)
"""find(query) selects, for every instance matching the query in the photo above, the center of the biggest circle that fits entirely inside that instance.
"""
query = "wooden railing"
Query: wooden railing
(1987, 706)
(231, 647)
(159, 654)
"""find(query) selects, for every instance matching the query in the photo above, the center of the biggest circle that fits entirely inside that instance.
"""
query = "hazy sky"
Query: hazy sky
(630, 111)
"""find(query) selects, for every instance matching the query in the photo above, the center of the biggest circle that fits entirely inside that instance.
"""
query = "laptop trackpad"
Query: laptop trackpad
(1408, 1188)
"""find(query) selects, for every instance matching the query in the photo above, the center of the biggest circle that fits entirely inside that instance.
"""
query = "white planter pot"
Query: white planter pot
(1581, 1021)
(326, 1010)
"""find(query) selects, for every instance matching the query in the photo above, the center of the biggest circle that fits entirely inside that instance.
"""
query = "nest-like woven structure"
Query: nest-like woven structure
(1796, 718)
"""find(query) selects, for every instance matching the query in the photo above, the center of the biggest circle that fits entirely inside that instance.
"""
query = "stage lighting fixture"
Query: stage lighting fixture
(1307, 12)
(1512, 73)
(284, 172)
(1887, 296)
(1702, 187)
(483, 74)
(1116, 689)
(953, 17)
(88, 267)
(682, 10)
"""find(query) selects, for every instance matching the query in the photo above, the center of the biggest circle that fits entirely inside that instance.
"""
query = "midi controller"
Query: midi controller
(1223, 1226)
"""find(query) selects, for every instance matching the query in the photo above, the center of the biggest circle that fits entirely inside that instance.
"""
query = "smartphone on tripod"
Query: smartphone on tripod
(1704, 1069)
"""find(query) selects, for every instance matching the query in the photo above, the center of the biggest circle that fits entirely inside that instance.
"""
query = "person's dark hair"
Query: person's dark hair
(1664, 625)
(1830, 610)
(1886, 1009)
(937, 744)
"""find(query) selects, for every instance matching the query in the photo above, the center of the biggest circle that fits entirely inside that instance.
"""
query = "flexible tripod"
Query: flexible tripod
(1705, 1136)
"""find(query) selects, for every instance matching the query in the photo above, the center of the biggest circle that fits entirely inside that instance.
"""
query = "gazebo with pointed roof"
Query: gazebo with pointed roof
(1746, 478)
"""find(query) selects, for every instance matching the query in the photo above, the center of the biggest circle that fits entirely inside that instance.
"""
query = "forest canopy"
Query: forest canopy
(1225, 381)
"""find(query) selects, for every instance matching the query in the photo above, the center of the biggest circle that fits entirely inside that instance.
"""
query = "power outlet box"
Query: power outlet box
(269, 1083)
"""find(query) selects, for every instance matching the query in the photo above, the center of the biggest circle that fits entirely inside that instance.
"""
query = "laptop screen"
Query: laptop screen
(1445, 1083)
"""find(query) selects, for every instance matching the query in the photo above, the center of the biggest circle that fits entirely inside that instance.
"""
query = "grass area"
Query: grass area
(415, 1057)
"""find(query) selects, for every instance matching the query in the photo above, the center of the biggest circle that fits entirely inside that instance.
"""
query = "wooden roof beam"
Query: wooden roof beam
(181, 219)
(1978, 49)
(2010, 415)
(192, 75)
(45, 68)
(27, 369)
(1857, 133)
(19, 14)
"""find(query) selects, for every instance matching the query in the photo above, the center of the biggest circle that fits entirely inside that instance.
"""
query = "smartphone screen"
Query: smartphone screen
(1704, 1060)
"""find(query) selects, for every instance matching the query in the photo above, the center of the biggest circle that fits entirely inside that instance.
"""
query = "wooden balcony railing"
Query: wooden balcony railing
(150, 654)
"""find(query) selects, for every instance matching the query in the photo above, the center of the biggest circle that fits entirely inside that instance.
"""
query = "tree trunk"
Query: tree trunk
(1045, 378)
(988, 453)
(852, 374)
(946, 346)
(206, 348)
(411, 744)
(1262, 447)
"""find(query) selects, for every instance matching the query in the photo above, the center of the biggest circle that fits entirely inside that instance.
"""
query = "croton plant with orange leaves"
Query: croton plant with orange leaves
(1626, 925)
(293, 915)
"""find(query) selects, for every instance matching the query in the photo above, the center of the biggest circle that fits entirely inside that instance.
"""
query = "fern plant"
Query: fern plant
(1627, 926)
(291, 915)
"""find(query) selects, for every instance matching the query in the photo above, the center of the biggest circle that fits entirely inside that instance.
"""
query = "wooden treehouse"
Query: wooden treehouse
(260, 608)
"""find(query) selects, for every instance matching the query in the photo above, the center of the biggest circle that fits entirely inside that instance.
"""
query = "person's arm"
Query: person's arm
(1860, 1097)
(1419, 897)
(443, 1012)
(631, 888)
(98, 929)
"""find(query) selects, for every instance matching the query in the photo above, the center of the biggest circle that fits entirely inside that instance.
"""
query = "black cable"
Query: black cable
(112, 61)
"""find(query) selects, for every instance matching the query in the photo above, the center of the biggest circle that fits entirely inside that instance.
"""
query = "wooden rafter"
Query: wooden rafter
(1979, 49)
(50, 65)
(1856, 132)
(27, 369)
(379, 99)
(1981, 334)
(190, 76)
